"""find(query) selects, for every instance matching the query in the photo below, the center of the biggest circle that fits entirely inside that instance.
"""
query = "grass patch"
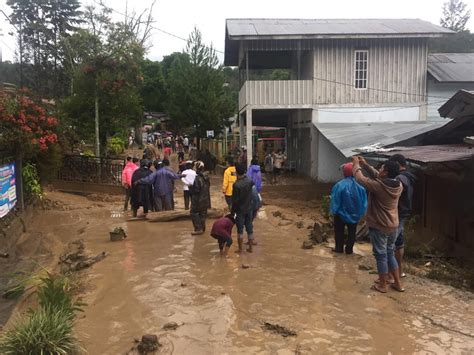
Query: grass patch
(48, 329)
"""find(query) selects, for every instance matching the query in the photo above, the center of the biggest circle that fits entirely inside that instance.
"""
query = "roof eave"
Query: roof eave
(334, 36)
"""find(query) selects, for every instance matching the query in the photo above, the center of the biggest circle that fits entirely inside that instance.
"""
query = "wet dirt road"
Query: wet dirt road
(161, 274)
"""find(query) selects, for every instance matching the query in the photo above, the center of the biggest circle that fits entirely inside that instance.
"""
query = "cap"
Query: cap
(347, 169)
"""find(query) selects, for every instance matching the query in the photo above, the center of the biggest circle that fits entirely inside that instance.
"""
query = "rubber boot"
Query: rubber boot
(226, 251)
(250, 237)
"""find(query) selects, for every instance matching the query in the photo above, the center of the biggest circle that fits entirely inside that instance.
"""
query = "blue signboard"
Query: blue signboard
(7, 189)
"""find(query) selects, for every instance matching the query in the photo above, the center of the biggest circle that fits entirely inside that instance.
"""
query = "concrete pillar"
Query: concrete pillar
(241, 130)
(249, 127)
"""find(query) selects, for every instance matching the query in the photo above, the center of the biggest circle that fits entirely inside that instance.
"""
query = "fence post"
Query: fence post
(19, 179)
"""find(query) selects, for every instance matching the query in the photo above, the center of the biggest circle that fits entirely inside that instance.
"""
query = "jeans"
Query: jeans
(339, 226)
(400, 241)
(228, 200)
(383, 246)
(244, 220)
(128, 194)
(187, 196)
(199, 220)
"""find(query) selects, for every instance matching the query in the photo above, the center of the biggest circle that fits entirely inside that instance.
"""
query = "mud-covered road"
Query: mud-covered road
(161, 274)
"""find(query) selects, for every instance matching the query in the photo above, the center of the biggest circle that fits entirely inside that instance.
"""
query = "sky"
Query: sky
(179, 17)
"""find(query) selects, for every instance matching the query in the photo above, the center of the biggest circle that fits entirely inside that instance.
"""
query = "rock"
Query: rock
(428, 264)
(299, 224)
(319, 234)
(307, 244)
(223, 293)
(278, 329)
(277, 214)
(245, 266)
(171, 326)
(365, 267)
(184, 284)
(148, 344)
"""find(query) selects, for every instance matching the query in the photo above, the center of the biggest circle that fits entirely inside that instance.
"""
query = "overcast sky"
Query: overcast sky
(180, 16)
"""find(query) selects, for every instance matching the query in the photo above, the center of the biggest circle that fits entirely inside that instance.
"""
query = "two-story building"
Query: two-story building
(350, 83)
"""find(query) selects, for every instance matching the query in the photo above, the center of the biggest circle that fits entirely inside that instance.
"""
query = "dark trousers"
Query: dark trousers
(163, 203)
(199, 220)
(187, 196)
(128, 195)
(228, 200)
(339, 226)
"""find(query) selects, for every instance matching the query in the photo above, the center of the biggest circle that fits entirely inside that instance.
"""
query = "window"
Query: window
(361, 69)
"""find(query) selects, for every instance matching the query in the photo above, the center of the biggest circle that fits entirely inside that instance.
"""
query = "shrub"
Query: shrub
(31, 182)
(115, 145)
(50, 328)
(88, 153)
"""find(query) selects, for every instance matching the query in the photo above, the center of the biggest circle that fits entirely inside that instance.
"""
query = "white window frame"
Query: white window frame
(359, 80)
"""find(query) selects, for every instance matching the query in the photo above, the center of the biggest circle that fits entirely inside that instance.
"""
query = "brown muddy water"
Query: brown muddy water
(161, 274)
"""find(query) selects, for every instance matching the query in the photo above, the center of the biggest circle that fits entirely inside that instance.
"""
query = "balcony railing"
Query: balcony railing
(276, 92)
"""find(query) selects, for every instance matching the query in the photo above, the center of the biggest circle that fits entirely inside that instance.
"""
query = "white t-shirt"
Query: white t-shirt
(188, 179)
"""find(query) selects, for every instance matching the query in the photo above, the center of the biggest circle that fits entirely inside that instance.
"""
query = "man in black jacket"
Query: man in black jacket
(404, 206)
(200, 199)
(141, 194)
(242, 206)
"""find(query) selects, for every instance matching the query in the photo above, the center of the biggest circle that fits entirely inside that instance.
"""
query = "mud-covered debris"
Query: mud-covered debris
(170, 326)
(148, 344)
(277, 214)
(319, 233)
(278, 329)
(4, 255)
(184, 284)
(299, 224)
(75, 258)
(245, 266)
(307, 244)
(365, 267)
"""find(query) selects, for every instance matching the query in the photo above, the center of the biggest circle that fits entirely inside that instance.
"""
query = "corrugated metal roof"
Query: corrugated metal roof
(433, 153)
(332, 27)
(451, 67)
(347, 137)
(461, 104)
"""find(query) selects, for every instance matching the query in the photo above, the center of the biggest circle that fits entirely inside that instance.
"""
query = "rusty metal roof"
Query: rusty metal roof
(451, 67)
(432, 153)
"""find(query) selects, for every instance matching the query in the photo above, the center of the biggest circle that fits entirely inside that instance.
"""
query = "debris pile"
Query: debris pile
(319, 233)
(148, 345)
(278, 329)
(75, 258)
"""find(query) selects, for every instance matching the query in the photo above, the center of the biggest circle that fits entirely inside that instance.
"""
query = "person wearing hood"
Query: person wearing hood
(254, 173)
(140, 194)
(200, 199)
(348, 206)
(407, 179)
(382, 217)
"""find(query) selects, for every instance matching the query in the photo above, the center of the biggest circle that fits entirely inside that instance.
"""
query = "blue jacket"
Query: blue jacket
(162, 181)
(255, 175)
(349, 200)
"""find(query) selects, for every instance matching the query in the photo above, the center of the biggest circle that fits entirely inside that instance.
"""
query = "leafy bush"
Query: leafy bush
(31, 182)
(88, 153)
(115, 145)
(325, 206)
(49, 328)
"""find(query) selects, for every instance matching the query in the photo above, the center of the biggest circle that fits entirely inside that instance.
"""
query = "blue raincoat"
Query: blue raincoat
(348, 200)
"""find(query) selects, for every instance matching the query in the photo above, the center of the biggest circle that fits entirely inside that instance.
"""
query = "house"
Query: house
(445, 191)
(346, 77)
(447, 74)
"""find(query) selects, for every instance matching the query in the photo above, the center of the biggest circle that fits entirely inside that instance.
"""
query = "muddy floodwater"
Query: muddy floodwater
(162, 274)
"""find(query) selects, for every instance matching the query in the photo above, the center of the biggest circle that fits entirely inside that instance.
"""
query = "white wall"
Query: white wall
(442, 92)
(329, 160)
(367, 114)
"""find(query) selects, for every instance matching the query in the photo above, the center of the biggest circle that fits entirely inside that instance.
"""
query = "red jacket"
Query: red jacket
(222, 228)
(127, 174)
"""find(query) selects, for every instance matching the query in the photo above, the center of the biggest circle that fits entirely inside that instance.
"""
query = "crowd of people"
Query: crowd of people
(384, 198)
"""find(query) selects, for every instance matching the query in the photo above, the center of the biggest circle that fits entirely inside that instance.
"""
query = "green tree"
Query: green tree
(153, 91)
(455, 15)
(197, 94)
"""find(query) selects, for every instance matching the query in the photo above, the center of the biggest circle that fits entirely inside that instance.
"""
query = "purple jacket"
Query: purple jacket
(255, 175)
(222, 228)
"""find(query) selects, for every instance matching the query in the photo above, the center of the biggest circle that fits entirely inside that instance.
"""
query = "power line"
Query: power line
(153, 27)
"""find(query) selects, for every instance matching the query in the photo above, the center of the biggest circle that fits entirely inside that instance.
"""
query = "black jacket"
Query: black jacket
(405, 202)
(200, 193)
(141, 194)
(242, 195)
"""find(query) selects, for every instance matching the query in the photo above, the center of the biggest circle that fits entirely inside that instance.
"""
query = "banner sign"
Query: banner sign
(7, 189)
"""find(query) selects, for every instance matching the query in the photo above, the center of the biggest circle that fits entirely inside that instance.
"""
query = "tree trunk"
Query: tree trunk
(96, 104)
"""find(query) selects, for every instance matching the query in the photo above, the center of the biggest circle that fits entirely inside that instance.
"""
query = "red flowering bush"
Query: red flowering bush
(25, 123)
